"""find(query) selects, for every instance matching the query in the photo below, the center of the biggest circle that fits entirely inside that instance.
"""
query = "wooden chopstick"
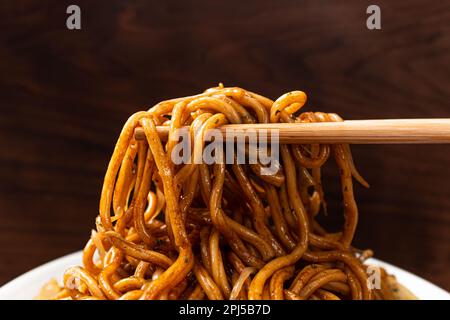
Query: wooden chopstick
(386, 131)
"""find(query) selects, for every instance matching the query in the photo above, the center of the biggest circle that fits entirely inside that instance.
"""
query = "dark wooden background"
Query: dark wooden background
(64, 96)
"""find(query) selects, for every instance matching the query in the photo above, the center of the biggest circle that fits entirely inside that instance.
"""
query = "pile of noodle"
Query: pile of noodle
(221, 231)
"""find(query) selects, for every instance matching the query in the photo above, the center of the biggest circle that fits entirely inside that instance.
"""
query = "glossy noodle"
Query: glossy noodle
(221, 231)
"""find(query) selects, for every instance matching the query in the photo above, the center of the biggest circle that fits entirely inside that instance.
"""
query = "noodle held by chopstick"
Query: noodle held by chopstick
(222, 230)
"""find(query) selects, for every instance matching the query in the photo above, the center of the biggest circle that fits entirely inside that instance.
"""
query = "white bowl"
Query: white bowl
(28, 285)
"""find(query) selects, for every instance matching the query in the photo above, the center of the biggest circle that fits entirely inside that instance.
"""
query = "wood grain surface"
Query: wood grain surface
(64, 96)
